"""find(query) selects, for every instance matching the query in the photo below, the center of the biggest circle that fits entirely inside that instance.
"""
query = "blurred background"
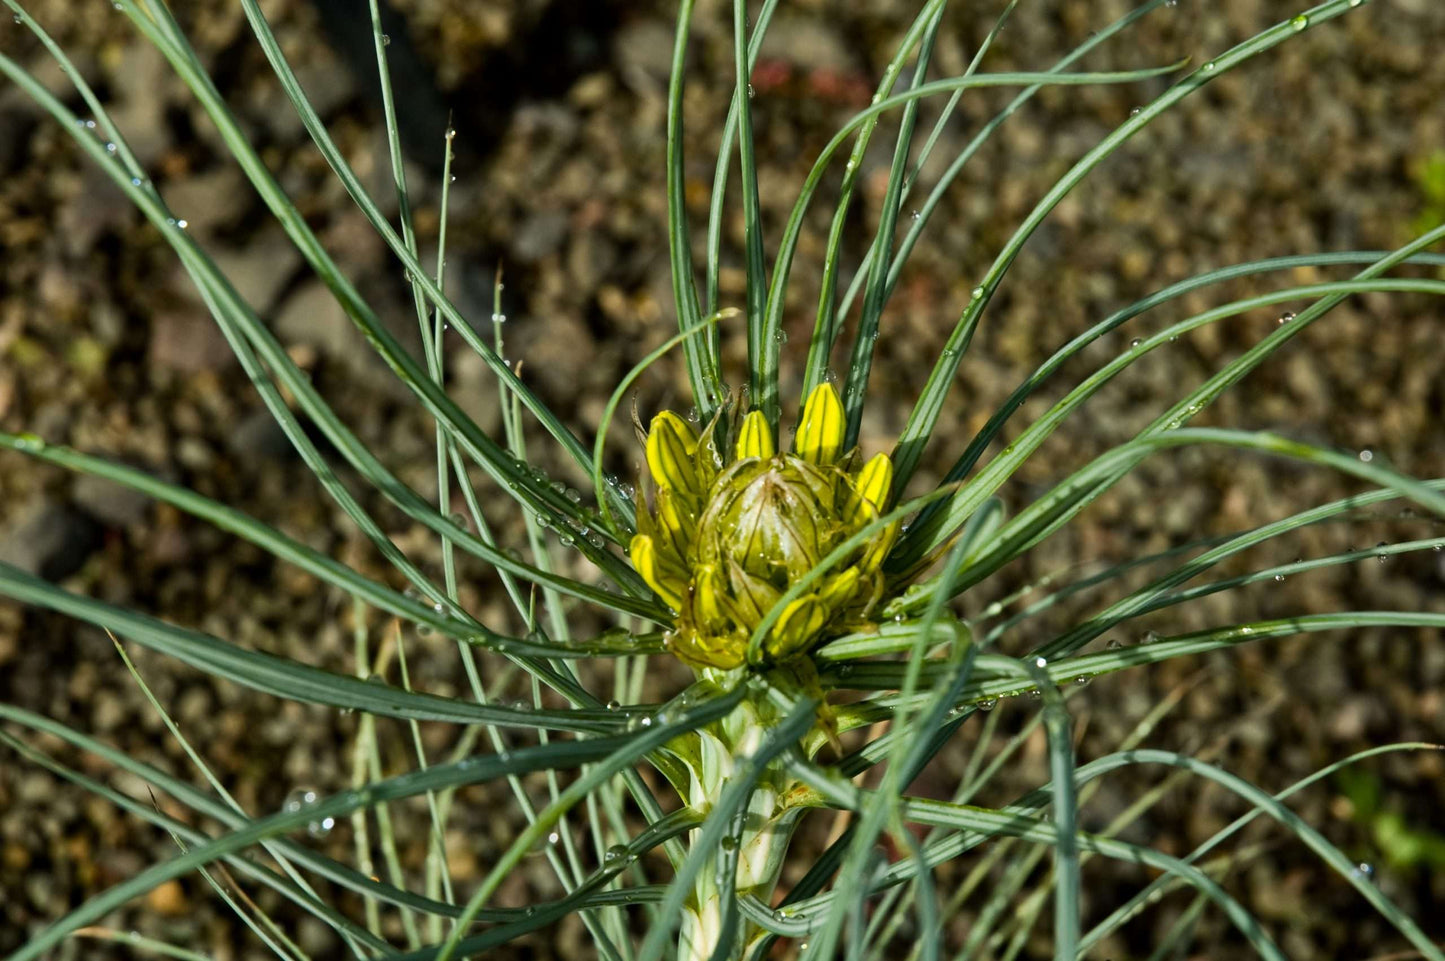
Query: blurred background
(1334, 141)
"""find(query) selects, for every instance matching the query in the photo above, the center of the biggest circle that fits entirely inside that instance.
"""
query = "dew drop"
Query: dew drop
(1364, 870)
(728, 843)
(1299, 23)
(1382, 557)
(110, 147)
(424, 630)
(1286, 317)
(182, 224)
(915, 215)
(1149, 637)
(1041, 662)
(987, 704)
(751, 92)
(1279, 578)
(1114, 644)
(499, 318)
(977, 293)
(616, 854)
(1134, 112)
(1083, 679)
(29, 441)
(1209, 67)
(385, 40)
(298, 799)
(1136, 342)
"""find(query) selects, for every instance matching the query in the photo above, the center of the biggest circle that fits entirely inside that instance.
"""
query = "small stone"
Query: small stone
(51, 541)
(108, 502)
(168, 899)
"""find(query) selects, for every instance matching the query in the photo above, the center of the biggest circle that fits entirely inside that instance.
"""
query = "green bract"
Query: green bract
(725, 540)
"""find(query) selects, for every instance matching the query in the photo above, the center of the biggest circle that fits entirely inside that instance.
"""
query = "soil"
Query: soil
(1320, 145)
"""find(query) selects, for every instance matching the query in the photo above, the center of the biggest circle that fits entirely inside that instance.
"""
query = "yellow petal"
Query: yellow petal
(820, 434)
(878, 548)
(800, 621)
(875, 480)
(676, 521)
(755, 439)
(838, 590)
(709, 599)
(654, 571)
(671, 444)
(699, 651)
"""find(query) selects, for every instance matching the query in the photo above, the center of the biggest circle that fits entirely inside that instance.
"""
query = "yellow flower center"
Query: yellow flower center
(723, 542)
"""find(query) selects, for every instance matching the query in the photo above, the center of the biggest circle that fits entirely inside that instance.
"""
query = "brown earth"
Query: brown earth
(1319, 145)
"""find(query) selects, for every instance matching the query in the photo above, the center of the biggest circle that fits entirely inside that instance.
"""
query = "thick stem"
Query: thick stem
(767, 829)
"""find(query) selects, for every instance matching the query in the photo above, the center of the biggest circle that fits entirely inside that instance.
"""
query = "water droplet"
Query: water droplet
(1041, 662)
(424, 630)
(1134, 112)
(1114, 644)
(987, 704)
(1149, 637)
(614, 705)
(385, 40)
(751, 92)
(1278, 578)
(1382, 557)
(1036, 694)
(1136, 342)
(1356, 3)
(728, 843)
(1300, 22)
(29, 441)
(977, 293)
(1209, 67)
(18, 18)
(110, 147)
(615, 854)
(182, 224)
(499, 318)
(1364, 870)
(1083, 679)
(299, 798)
(915, 215)
(1286, 317)
(1171, 3)
(1367, 455)
(554, 838)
